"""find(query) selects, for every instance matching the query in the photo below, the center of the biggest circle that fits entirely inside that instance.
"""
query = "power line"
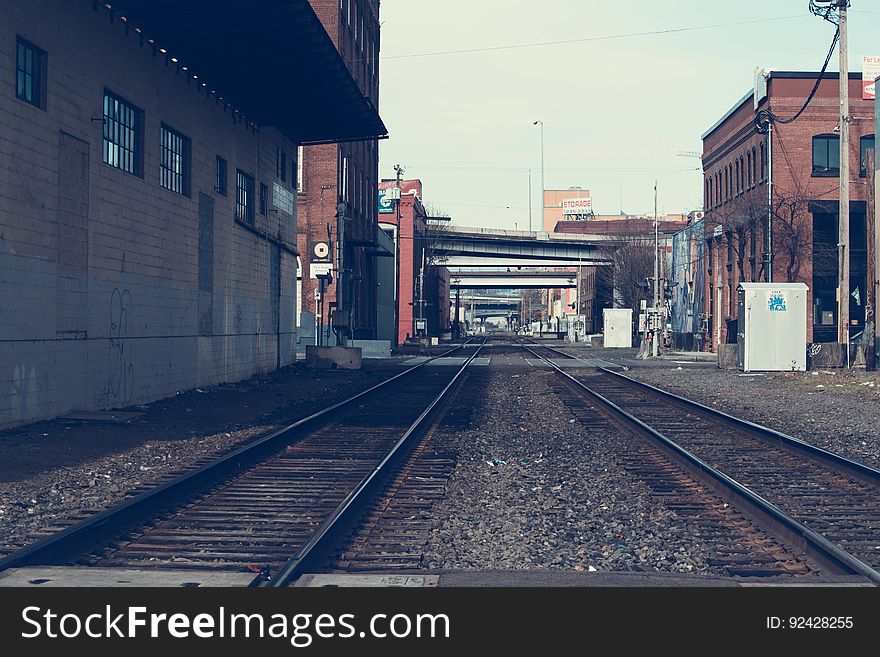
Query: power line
(491, 169)
(607, 37)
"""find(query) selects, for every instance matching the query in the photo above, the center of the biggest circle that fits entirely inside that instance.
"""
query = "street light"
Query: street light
(542, 172)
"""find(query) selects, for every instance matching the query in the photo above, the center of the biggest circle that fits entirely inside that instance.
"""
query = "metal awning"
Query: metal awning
(271, 59)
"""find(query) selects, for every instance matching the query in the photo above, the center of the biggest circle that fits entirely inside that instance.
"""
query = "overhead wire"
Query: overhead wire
(606, 37)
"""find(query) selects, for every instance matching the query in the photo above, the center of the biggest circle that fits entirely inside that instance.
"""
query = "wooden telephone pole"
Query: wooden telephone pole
(843, 223)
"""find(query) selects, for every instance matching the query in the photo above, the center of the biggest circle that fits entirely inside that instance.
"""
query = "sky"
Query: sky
(619, 110)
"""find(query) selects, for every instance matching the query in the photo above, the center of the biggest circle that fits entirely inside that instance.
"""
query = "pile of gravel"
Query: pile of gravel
(533, 489)
(834, 410)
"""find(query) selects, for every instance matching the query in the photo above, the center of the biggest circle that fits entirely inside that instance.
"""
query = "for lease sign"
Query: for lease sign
(870, 72)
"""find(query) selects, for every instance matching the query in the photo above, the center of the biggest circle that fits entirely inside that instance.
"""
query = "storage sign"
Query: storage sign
(577, 206)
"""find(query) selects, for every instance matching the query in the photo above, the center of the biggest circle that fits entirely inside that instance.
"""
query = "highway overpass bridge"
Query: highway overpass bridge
(463, 246)
(504, 280)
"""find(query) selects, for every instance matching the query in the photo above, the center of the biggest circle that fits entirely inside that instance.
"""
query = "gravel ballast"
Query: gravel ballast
(533, 489)
(60, 470)
(838, 411)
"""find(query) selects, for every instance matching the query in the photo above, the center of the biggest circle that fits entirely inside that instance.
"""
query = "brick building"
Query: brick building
(337, 183)
(555, 199)
(406, 220)
(147, 236)
(804, 166)
(407, 225)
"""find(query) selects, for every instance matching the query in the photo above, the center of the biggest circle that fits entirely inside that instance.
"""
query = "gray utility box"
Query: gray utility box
(772, 327)
(618, 325)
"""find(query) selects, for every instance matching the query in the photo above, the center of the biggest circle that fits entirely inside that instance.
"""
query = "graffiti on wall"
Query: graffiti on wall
(120, 384)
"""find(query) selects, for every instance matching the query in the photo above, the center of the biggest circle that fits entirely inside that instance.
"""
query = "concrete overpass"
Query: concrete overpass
(473, 262)
(527, 248)
(505, 280)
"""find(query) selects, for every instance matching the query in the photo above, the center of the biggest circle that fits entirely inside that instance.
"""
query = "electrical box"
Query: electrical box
(618, 327)
(772, 327)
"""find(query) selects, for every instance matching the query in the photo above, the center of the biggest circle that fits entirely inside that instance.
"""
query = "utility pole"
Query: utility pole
(543, 202)
(530, 200)
(871, 291)
(843, 223)
(656, 314)
(398, 171)
(768, 242)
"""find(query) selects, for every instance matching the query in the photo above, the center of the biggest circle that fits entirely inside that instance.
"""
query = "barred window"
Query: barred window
(281, 164)
(220, 183)
(30, 67)
(122, 134)
(174, 161)
(244, 197)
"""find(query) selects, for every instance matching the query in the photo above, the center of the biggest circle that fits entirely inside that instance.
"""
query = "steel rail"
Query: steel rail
(346, 514)
(817, 545)
(106, 525)
(850, 467)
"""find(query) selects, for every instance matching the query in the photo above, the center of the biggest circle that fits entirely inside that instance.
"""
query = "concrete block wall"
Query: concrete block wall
(114, 290)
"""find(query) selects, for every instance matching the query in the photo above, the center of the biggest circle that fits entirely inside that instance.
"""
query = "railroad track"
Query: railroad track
(798, 509)
(275, 507)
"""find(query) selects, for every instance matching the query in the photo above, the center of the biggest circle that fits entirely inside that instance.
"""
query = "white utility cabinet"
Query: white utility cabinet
(772, 327)
(618, 327)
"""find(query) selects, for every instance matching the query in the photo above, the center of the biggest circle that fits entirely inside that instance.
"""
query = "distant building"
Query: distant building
(804, 169)
(147, 234)
(687, 304)
(564, 204)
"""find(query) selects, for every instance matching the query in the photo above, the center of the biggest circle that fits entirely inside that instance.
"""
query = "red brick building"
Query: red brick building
(408, 224)
(804, 169)
(336, 184)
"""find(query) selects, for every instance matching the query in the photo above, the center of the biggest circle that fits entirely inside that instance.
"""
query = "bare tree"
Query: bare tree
(743, 223)
(531, 306)
(437, 224)
(631, 254)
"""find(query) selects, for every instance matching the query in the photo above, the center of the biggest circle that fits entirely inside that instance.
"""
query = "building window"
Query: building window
(264, 200)
(866, 145)
(753, 252)
(281, 164)
(742, 175)
(754, 167)
(299, 169)
(174, 161)
(763, 165)
(122, 134)
(749, 168)
(30, 73)
(244, 197)
(826, 155)
(220, 182)
(344, 187)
